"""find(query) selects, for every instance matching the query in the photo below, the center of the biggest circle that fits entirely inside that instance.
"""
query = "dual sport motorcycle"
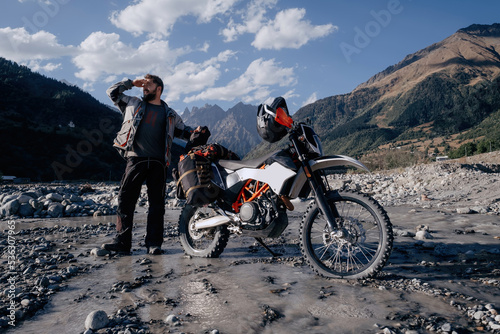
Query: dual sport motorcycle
(343, 233)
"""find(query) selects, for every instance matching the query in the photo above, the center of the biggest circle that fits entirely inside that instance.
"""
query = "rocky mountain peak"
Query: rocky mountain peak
(485, 30)
(435, 99)
(474, 50)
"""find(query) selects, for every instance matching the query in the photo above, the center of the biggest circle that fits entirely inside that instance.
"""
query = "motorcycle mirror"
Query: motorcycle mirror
(282, 118)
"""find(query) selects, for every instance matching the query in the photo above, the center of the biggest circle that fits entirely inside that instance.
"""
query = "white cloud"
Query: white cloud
(189, 77)
(204, 47)
(252, 86)
(157, 17)
(104, 54)
(289, 30)
(106, 57)
(36, 66)
(19, 45)
(253, 18)
(290, 94)
(310, 99)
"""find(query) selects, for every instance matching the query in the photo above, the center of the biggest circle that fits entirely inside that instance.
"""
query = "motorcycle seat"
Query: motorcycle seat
(253, 163)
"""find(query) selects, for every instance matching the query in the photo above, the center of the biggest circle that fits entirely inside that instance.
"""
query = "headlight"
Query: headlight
(311, 140)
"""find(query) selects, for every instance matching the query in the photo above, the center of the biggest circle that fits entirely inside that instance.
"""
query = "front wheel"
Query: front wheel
(209, 242)
(361, 245)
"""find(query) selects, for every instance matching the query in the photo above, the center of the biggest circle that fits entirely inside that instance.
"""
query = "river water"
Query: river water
(231, 293)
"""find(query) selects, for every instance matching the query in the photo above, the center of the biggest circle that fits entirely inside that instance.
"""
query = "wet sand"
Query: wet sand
(427, 286)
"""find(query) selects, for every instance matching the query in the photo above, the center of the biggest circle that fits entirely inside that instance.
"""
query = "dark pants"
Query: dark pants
(137, 171)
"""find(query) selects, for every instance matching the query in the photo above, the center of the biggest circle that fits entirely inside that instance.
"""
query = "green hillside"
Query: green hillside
(50, 130)
(433, 102)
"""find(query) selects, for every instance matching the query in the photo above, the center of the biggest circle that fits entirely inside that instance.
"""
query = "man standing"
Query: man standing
(144, 140)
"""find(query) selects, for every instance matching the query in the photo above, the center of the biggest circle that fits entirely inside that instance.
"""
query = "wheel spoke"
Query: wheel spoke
(356, 249)
(325, 247)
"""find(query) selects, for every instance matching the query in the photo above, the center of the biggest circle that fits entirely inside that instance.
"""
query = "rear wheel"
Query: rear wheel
(209, 242)
(359, 248)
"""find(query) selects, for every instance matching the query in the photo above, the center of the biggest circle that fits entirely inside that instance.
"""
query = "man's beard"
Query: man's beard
(149, 97)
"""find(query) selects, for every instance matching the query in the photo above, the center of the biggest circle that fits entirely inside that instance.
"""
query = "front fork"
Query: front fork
(329, 212)
(318, 188)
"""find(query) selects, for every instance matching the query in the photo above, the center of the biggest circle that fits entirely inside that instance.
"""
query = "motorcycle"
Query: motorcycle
(343, 233)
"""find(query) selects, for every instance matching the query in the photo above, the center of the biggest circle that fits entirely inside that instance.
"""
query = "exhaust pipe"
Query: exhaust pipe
(211, 222)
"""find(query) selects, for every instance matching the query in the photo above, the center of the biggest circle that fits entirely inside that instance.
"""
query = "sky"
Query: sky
(228, 51)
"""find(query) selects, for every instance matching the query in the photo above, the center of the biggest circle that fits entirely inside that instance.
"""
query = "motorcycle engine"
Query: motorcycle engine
(257, 215)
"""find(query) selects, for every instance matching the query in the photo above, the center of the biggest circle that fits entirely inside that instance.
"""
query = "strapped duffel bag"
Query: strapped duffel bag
(193, 178)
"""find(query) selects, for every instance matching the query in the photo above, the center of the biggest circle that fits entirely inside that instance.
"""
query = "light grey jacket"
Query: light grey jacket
(133, 109)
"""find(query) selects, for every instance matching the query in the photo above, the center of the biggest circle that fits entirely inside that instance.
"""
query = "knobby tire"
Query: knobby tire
(208, 243)
(368, 247)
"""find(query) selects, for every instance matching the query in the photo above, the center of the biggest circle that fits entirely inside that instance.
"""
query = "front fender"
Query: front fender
(322, 163)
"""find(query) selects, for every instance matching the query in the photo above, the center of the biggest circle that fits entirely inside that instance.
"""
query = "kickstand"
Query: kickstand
(267, 248)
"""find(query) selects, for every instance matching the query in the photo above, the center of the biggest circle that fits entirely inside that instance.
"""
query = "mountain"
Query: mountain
(444, 98)
(53, 130)
(234, 128)
(432, 99)
(50, 130)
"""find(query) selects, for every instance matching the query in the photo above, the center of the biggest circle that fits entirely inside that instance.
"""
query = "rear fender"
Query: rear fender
(319, 164)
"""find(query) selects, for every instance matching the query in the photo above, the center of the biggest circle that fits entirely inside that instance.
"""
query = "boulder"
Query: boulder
(24, 199)
(423, 235)
(10, 208)
(8, 198)
(96, 320)
(75, 198)
(25, 210)
(55, 210)
(71, 208)
(99, 252)
(54, 197)
(464, 211)
(36, 205)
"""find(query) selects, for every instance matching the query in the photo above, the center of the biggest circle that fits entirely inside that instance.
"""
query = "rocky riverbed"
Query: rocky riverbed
(443, 275)
(68, 200)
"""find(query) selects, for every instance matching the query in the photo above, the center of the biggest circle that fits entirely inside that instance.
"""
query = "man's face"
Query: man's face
(149, 90)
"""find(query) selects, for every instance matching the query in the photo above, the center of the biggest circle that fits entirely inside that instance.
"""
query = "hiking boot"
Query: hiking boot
(117, 246)
(154, 250)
